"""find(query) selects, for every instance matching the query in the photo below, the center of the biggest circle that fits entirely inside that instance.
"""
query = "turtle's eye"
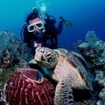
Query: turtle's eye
(48, 55)
(42, 51)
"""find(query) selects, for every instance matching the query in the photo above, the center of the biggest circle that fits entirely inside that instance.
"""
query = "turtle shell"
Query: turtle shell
(66, 69)
(69, 66)
(62, 64)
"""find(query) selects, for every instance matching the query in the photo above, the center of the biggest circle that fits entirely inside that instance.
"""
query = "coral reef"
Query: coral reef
(2, 98)
(29, 87)
(100, 78)
(14, 54)
(11, 43)
(93, 50)
(101, 96)
(7, 58)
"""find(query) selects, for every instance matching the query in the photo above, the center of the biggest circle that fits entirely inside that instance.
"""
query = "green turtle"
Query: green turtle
(64, 67)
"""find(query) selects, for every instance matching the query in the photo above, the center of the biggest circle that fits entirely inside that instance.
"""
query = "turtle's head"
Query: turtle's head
(46, 57)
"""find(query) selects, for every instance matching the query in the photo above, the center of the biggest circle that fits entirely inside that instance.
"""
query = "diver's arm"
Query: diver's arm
(60, 27)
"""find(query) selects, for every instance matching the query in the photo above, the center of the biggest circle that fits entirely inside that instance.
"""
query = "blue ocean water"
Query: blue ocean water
(86, 15)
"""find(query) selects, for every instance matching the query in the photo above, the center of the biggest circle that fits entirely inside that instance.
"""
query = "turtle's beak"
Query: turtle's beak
(38, 57)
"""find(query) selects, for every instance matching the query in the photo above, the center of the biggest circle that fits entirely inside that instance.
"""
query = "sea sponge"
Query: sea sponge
(28, 87)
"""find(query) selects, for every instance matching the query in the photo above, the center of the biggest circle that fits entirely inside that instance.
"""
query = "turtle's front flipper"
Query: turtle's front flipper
(63, 94)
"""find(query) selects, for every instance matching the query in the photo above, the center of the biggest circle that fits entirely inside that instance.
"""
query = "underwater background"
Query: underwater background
(88, 19)
(85, 15)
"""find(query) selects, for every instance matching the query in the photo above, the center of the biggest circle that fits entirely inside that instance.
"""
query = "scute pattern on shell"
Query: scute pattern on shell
(77, 64)
(24, 88)
(63, 94)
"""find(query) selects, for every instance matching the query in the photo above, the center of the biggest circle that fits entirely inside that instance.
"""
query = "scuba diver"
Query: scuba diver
(42, 32)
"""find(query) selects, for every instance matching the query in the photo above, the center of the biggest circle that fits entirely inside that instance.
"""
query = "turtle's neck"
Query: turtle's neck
(48, 72)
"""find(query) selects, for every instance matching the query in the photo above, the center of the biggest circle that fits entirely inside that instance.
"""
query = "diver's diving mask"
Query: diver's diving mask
(36, 25)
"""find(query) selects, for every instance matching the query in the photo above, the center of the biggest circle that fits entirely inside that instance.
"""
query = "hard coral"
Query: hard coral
(101, 101)
(91, 37)
(19, 49)
(7, 58)
(29, 87)
(2, 99)
(99, 78)
(93, 50)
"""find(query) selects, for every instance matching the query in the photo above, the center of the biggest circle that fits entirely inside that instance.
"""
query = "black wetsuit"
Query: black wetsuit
(49, 37)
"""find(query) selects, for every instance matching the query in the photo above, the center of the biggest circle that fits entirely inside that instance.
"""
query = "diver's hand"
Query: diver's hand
(37, 44)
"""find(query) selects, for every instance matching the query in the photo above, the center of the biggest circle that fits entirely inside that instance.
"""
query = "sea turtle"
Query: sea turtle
(64, 67)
